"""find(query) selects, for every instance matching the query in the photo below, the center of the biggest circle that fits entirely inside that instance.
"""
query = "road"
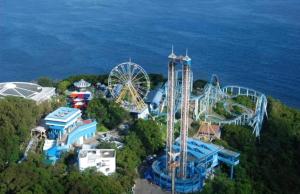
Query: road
(142, 186)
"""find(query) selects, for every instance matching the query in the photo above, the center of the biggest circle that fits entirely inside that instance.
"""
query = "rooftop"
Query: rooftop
(230, 153)
(26, 90)
(82, 84)
(207, 128)
(101, 153)
(63, 114)
(197, 148)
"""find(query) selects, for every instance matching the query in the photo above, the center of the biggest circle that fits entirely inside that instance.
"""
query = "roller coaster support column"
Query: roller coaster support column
(186, 75)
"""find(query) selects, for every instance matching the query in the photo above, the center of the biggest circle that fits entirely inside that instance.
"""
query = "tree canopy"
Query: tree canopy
(156, 79)
(150, 134)
(198, 86)
(46, 82)
(107, 113)
(17, 116)
(93, 79)
(34, 177)
(268, 164)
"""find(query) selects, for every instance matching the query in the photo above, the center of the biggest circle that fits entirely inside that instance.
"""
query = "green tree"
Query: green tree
(58, 101)
(156, 79)
(17, 117)
(30, 177)
(106, 112)
(270, 163)
(91, 182)
(239, 137)
(198, 86)
(45, 82)
(220, 185)
(135, 144)
(127, 159)
(245, 100)
(9, 149)
(63, 86)
(33, 176)
(150, 134)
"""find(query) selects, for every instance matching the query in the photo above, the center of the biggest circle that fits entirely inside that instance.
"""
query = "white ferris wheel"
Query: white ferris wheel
(129, 84)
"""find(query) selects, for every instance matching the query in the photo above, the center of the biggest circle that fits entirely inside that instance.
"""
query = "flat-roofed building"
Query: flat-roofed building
(104, 160)
(65, 130)
(62, 120)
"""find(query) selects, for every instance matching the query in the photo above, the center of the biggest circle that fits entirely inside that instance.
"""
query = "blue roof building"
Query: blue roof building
(203, 158)
(66, 128)
(61, 121)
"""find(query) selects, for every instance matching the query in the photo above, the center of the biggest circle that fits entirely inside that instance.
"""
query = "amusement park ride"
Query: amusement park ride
(185, 61)
(202, 105)
(129, 84)
(187, 162)
(213, 93)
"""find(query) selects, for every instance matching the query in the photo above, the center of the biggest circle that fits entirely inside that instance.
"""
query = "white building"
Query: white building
(144, 113)
(104, 160)
(27, 90)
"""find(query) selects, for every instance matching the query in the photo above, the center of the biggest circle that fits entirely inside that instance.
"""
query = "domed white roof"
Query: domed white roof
(82, 84)
(10, 85)
(26, 90)
(21, 89)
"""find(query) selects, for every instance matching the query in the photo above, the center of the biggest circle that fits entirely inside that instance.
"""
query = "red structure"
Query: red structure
(80, 99)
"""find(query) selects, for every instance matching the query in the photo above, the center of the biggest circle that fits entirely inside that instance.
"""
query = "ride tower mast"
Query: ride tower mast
(170, 110)
(186, 79)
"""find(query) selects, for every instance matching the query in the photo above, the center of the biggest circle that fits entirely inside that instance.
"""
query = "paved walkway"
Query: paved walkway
(142, 186)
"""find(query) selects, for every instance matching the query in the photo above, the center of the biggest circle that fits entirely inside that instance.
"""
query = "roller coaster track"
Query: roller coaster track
(213, 94)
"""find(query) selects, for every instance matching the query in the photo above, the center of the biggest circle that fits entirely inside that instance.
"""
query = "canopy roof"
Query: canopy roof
(20, 89)
(82, 84)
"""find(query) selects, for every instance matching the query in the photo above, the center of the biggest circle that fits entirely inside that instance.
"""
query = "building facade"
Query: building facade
(104, 160)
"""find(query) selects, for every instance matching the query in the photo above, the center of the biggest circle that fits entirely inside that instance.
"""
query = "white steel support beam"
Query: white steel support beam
(171, 113)
(184, 118)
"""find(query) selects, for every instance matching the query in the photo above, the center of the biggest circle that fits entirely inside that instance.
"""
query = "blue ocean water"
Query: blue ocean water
(251, 43)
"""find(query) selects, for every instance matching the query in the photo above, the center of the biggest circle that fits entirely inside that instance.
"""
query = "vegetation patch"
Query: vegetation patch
(107, 113)
(237, 110)
(198, 86)
(156, 80)
(269, 164)
(220, 110)
(245, 101)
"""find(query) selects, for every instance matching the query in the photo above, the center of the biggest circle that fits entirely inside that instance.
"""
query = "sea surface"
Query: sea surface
(253, 43)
